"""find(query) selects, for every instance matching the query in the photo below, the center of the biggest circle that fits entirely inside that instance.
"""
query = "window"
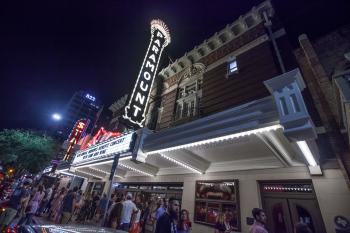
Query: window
(185, 110)
(188, 97)
(232, 67)
(178, 112)
(192, 109)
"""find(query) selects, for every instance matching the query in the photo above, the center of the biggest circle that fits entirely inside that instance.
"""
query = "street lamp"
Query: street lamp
(56, 117)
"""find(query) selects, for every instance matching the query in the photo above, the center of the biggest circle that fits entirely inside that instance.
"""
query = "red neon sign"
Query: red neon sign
(101, 136)
(78, 131)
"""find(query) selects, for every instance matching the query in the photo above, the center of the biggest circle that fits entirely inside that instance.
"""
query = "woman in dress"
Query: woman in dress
(184, 225)
(56, 206)
(223, 223)
(33, 206)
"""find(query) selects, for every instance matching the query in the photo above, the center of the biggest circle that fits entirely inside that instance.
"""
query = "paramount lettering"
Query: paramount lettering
(137, 105)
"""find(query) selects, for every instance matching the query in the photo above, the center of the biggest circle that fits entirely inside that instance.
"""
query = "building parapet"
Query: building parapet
(244, 23)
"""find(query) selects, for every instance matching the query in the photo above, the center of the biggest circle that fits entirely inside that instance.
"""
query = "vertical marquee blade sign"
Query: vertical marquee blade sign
(135, 110)
(77, 132)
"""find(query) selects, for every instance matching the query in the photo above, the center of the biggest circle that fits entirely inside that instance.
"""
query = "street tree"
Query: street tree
(27, 151)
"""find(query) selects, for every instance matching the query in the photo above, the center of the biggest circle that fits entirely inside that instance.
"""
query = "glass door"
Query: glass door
(307, 211)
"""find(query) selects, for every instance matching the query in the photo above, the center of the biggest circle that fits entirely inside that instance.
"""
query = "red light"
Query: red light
(11, 230)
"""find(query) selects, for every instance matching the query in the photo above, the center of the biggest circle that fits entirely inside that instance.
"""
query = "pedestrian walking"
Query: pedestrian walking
(102, 205)
(85, 210)
(45, 201)
(184, 225)
(19, 196)
(114, 216)
(260, 218)
(56, 206)
(129, 208)
(68, 205)
(95, 201)
(162, 208)
(33, 206)
(167, 223)
(49, 204)
(145, 216)
(78, 202)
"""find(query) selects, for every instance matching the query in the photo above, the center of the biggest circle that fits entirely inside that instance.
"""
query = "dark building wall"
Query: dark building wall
(317, 63)
(331, 49)
(254, 66)
(168, 104)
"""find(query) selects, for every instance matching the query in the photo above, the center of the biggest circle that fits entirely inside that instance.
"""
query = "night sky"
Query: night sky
(50, 49)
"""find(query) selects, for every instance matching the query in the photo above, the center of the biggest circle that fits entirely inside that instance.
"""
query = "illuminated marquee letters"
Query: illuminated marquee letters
(78, 131)
(135, 110)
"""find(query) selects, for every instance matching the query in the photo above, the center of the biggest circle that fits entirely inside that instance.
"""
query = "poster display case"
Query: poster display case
(213, 198)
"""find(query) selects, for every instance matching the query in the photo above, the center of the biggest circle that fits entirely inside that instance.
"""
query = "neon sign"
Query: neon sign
(78, 131)
(135, 110)
(101, 136)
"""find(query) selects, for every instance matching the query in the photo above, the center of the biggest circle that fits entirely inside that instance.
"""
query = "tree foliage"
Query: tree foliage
(26, 150)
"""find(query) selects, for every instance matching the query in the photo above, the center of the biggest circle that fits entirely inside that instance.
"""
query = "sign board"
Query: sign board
(78, 131)
(47, 169)
(104, 150)
(135, 110)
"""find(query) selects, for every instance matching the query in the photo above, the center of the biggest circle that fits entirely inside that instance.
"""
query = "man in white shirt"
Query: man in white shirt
(129, 208)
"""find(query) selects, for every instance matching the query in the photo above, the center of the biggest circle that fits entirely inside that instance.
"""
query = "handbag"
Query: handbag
(135, 228)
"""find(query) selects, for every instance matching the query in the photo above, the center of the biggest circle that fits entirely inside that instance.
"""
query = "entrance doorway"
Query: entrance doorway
(288, 203)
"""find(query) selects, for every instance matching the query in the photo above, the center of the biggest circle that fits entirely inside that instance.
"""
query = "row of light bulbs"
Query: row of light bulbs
(136, 170)
(182, 164)
(287, 188)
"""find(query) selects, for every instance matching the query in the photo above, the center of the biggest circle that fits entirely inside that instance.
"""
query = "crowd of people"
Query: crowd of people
(125, 212)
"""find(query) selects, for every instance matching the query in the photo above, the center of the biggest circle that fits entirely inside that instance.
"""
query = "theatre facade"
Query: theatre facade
(233, 127)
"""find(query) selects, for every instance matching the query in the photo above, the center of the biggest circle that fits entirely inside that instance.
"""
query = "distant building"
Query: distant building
(117, 110)
(81, 105)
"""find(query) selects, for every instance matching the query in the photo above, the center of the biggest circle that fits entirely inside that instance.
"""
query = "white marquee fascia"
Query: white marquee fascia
(217, 139)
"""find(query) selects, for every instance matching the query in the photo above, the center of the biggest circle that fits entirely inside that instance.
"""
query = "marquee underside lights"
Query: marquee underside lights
(136, 170)
(182, 164)
(218, 139)
(135, 110)
(103, 162)
(307, 153)
(89, 174)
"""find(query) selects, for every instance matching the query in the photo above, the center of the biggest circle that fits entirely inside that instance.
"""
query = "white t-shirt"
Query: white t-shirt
(128, 208)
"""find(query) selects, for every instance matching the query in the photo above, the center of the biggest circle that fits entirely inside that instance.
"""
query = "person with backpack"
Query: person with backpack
(19, 196)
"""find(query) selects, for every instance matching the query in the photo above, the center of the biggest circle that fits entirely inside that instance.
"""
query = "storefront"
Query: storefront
(151, 191)
(248, 156)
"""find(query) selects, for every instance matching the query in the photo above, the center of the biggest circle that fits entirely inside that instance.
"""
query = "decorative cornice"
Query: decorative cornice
(230, 32)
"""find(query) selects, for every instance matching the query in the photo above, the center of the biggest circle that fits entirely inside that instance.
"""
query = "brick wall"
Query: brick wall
(320, 87)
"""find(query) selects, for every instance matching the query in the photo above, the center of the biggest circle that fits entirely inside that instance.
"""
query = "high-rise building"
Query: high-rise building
(81, 105)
